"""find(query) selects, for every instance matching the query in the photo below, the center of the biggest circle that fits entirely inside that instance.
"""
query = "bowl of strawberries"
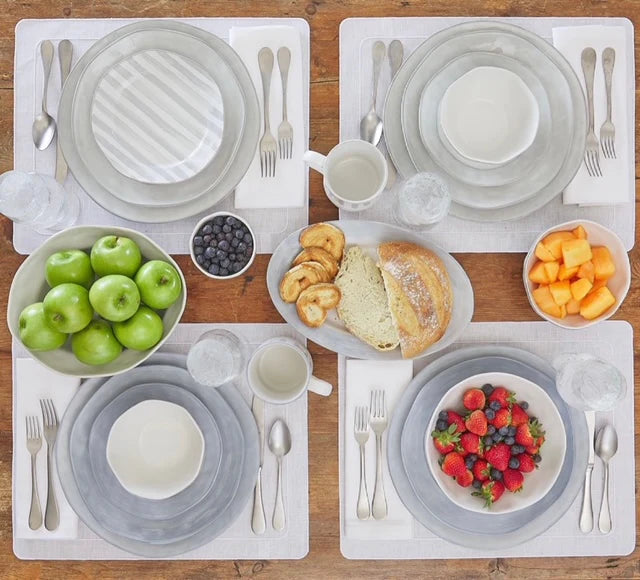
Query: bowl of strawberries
(495, 443)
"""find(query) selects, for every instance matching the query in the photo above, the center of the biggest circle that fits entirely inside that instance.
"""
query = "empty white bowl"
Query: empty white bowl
(536, 483)
(155, 449)
(489, 115)
(619, 283)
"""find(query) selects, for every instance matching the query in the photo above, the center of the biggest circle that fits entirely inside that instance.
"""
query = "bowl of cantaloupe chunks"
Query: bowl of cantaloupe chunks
(577, 274)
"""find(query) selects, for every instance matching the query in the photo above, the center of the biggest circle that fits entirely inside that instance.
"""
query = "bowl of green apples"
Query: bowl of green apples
(95, 301)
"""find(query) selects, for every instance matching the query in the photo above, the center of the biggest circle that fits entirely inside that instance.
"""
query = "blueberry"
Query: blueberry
(443, 415)
(242, 247)
(524, 405)
(487, 389)
(228, 237)
(218, 220)
(224, 246)
(220, 254)
(469, 463)
(490, 414)
(495, 405)
(224, 272)
(514, 450)
(473, 457)
(442, 425)
(496, 474)
(206, 264)
(220, 236)
(497, 437)
(487, 440)
(477, 484)
(504, 431)
(509, 440)
(213, 243)
(235, 242)
(239, 234)
(226, 229)
(198, 250)
(536, 458)
(512, 431)
(217, 230)
(532, 419)
(199, 259)
(225, 263)
(230, 221)
(247, 238)
(206, 239)
(197, 241)
(514, 463)
(491, 429)
(207, 229)
(214, 269)
(209, 253)
(232, 257)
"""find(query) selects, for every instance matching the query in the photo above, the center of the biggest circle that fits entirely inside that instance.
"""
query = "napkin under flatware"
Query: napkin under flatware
(287, 188)
(617, 182)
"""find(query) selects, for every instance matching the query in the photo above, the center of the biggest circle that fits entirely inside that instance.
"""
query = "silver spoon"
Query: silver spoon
(606, 447)
(44, 127)
(280, 445)
(371, 124)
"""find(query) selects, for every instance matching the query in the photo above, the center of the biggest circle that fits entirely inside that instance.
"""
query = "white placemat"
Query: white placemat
(610, 340)
(238, 541)
(271, 226)
(453, 234)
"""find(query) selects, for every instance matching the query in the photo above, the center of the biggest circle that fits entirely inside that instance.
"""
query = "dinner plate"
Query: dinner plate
(412, 477)
(160, 202)
(369, 235)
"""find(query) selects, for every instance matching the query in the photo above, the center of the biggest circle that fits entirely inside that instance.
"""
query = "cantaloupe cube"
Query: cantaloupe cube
(573, 306)
(565, 273)
(598, 284)
(580, 288)
(553, 242)
(538, 274)
(551, 268)
(580, 233)
(543, 254)
(603, 264)
(561, 292)
(587, 271)
(597, 303)
(563, 311)
(546, 303)
(575, 252)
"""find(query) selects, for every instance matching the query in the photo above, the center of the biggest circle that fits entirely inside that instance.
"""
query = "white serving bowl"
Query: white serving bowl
(489, 115)
(29, 285)
(619, 283)
(538, 482)
(208, 218)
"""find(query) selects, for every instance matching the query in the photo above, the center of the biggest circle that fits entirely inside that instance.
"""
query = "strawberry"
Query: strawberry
(465, 479)
(477, 423)
(527, 464)
(498, 456)
(473, 399)
(529, 433)
(532, 449)
(513, 480)
(471, 443)
(503, 396)
(502, 418)
(491, 492)
(518, 415)
(481, 470)
(445, 441)
(453, 464)
(453, 417)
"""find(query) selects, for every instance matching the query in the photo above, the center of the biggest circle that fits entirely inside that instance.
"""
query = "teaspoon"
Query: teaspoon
(371, 124)
(44, 127)
(280, 445)
(606, 448)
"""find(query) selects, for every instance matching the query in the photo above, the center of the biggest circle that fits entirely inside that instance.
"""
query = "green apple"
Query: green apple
(67, 308)
(69, 266)
(159, 284)
(35, 333)
(115, 297)
(142, 331)
(95, 344)
(115, 255)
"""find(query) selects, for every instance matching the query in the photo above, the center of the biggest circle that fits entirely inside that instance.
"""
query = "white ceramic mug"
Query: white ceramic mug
(280, 370)
(355, 173)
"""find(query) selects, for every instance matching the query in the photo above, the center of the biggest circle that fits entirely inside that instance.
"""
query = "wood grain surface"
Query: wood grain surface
(496, 279)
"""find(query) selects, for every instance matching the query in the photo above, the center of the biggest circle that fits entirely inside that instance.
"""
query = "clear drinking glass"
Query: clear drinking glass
(216, 358)
(421, 201)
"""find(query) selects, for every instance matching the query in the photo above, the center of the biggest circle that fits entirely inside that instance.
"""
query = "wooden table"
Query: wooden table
(496, 280)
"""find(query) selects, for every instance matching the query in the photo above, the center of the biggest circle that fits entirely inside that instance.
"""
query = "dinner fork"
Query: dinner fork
(378, 422)
(591, 154)
(361, 432)
(34, 444)
(268, 146)
(608, 130)
(50, 423)
(285, 130)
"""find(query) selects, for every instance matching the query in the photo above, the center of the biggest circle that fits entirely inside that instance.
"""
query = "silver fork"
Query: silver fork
(268, 147)
(592, 149)
(50, 423)
(34, 444)
(285, 130)
(378, 422)
(361, 432)
(608, 130)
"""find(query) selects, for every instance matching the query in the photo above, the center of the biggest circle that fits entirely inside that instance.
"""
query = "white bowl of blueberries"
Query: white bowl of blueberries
(222, 246)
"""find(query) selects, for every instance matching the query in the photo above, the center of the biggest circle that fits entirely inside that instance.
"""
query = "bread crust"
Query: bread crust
(314, 303)
(325, 236)
(320, 255)
(299, 278)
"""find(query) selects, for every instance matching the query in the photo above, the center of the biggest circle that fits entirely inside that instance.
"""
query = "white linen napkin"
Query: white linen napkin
(616, 184)
(35, 382)
(287, 188)
(362, 376)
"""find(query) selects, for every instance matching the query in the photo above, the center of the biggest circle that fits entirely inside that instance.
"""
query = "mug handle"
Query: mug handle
(315, 160)
(320, 387)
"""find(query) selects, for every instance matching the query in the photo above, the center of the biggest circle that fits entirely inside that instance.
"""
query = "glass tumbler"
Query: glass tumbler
(216, 358)
(421, 201)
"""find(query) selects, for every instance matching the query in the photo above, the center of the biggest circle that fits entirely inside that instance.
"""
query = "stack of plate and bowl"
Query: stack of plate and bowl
(493, 108)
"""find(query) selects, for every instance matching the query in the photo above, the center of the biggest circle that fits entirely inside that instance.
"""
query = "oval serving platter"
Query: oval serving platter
(368, 235)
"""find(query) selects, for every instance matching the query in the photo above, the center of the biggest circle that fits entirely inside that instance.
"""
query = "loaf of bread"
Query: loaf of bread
(364, 307)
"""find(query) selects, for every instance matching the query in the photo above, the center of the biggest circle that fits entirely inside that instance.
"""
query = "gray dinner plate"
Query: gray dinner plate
(415, 483)
(185, 537)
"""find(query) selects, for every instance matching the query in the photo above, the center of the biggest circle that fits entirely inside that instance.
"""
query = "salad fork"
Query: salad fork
(378, 422)
(608, 130)
(361, 432)
(268, 147)
(591, 155)
(50, 422)
(34, 444)
(285, 130)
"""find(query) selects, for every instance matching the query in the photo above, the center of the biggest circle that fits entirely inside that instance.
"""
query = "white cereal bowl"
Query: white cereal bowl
(155, 449)
(29, 285)
(489, 115)
(538, 482)
(619, 283)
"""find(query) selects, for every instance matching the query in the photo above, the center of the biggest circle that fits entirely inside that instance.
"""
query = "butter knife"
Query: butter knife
(396, 56)
(65, 55)
(586, 515)
(258, 520)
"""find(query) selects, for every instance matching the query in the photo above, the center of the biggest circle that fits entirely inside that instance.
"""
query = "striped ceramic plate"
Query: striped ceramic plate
(158, 117)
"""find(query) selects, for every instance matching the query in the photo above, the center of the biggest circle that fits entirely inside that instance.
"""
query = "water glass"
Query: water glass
(421, 201)
(216, 358)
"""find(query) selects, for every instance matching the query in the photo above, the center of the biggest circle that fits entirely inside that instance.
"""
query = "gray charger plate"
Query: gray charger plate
(199, 537)
(412, 477)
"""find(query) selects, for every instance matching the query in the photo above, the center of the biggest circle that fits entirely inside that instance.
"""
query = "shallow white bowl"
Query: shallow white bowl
(489, 115)
(155, 449)
(619, 283)
(538, 482)
(29, 286)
